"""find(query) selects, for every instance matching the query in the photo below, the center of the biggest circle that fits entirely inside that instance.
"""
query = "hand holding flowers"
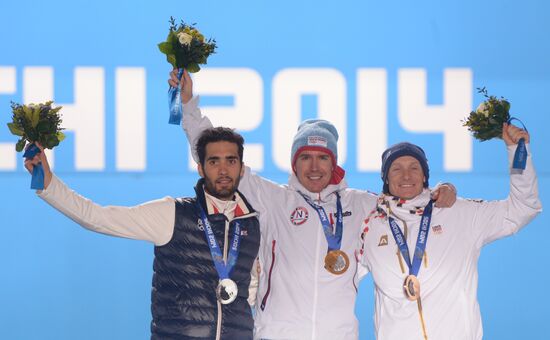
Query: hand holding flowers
(488, 120)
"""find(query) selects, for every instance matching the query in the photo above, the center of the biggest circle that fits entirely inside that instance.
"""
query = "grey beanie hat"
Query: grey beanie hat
(315, 134)
(399, 150)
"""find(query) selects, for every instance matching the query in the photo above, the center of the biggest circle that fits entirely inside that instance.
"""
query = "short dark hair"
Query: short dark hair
(218, 134)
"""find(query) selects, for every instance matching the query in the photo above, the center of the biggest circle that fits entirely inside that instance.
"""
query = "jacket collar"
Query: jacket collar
(242, 208)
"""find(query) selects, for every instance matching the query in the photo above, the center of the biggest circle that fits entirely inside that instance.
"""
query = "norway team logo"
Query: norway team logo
(299, 216)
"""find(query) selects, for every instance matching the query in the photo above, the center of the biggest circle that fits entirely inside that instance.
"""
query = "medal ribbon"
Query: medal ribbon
(421, 241)
(223, 269)
(520, 157)
(174, 102)
(334, 240)
(37, 181)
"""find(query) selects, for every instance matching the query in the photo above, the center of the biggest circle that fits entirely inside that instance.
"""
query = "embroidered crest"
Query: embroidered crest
(383, 240)
(299, 216)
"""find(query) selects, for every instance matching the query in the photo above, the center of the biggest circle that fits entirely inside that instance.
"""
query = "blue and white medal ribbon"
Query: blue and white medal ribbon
(227, 289)
(520, 157)
(37, 180)
(336, 261)
(174, 102)
(412, 285)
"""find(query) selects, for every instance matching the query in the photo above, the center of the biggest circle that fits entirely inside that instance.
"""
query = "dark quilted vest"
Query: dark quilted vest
(184, 304)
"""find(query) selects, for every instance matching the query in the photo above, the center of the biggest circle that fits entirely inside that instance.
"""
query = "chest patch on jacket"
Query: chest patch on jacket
(383, 240)
(299, 216)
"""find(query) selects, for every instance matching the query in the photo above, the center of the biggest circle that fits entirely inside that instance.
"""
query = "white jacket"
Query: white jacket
(297, 297)
(448, 276)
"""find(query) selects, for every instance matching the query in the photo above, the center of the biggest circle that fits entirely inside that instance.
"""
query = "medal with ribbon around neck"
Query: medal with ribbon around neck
(411, 285)
(227, 290)
(336, 261)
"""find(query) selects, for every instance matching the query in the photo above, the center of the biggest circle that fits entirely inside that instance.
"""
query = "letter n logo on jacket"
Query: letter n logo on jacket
(299, 216)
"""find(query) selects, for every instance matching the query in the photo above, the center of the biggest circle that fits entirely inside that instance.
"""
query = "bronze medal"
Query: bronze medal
(336, 262)
(412, 288)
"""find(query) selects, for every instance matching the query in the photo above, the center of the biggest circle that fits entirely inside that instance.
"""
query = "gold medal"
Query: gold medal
(412, 288)
(336, 262)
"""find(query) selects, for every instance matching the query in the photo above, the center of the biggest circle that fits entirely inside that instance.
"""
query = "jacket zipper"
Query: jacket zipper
(264, 300)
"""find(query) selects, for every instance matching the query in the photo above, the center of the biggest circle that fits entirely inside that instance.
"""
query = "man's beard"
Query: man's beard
(223, 194)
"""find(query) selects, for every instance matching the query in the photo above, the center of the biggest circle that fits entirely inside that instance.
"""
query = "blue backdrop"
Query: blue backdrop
(384, 71)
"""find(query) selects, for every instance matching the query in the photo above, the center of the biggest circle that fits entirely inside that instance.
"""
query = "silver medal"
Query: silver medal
(226, 292)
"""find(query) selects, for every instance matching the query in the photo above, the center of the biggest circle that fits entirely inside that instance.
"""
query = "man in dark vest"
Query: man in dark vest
(205, 246)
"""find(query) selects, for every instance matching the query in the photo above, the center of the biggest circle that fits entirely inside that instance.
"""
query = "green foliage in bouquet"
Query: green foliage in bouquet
(36, 123)
(186, 47)
(486, 121)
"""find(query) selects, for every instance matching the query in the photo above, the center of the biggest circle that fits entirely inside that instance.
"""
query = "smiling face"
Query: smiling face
(222, 169)
(314, 169)
(405, 177)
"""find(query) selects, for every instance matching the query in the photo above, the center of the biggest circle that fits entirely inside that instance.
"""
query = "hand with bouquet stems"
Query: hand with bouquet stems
(39, 158)
(512, 134)
(186, 86)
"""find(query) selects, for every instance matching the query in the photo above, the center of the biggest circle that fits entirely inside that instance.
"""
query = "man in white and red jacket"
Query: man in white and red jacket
(436, 296)
(300, 296)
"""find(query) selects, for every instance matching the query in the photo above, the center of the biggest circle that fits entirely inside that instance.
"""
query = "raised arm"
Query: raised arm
(152, 221)
(193, 122)
(256, 189)
(497, 219)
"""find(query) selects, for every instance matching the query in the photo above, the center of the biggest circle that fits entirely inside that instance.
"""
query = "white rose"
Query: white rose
(484, 109)
(184, 38)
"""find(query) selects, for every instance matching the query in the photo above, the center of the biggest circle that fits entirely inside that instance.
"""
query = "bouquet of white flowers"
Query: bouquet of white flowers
(486, 121)
(186, 47)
